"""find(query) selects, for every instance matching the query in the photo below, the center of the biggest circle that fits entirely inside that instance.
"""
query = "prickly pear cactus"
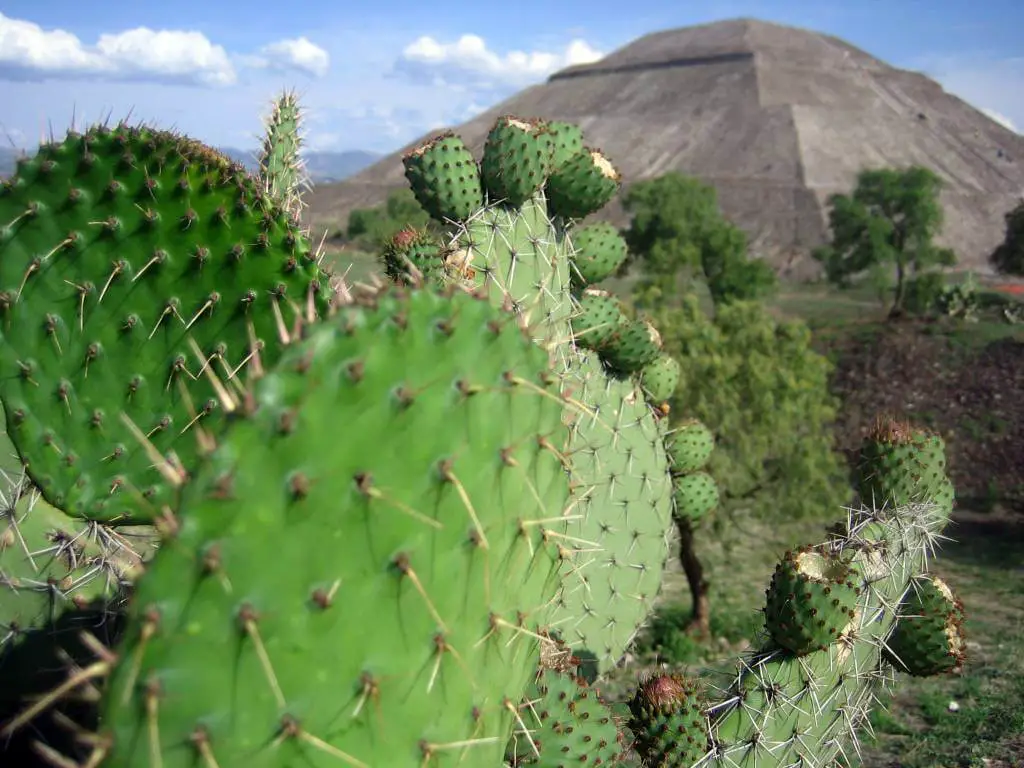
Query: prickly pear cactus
(133, 261)
(512, 231)
(832, 614)
(361, 565)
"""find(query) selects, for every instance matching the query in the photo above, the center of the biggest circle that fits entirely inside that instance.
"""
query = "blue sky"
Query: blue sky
(375, 75)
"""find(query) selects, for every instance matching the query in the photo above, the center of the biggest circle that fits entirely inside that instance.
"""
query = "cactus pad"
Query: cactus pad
(668, 722)
(899, 465)
(586, 182)
(361, 563)
(811, 600)
(632, 346)
(445, 178)
(517, 159)
(599, 250)
(50, 562)
(568, 724)
(116, 248)
(660, 378)
(411, 256)
(690, 446)
(929, 635)
(695, 495)
(599, 315)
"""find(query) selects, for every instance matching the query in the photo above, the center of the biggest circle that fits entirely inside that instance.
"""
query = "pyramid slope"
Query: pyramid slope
(775, 118)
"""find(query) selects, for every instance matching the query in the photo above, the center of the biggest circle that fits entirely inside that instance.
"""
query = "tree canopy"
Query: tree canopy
(677, 232)
(889, 222)
(369, 228)
(1008, 257)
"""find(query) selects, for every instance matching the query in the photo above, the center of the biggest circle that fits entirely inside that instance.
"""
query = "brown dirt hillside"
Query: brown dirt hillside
(967, 387)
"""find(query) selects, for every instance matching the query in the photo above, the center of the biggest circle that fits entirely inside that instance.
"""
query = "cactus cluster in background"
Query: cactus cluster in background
(403, 524)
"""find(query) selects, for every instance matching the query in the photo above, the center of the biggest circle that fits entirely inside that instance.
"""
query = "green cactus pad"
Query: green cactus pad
(695, 495)
(622, 517)
(520, 259)
(567, 141)
(633, 346)
(50, 563)
(929, 635)
(584, 183)
(690, 446)
(660, 378)
(119, 250)
(898, 465)
(598, 250)
(568, 724)
(281, 166)
(668, 722)
(811, 600)
(516, 160)
(445, 178)
(360, 566)
(598, 316)
(412, 256)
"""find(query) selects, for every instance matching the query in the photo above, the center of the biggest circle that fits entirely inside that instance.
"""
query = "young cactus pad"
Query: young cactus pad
(362, 562)
(520, 253)
(132, 259)
(281, 166)
(929, 636)
(567, 724)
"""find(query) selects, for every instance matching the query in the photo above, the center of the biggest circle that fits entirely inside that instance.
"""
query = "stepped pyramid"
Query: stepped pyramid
(776, 118)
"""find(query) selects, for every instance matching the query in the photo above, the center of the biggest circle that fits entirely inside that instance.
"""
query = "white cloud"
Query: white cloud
(468, 60)
(1002, 119)
(298, 54)
(27, 51)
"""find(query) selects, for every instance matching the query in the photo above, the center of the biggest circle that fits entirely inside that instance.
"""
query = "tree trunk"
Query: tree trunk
(700, 620)
(897, 305)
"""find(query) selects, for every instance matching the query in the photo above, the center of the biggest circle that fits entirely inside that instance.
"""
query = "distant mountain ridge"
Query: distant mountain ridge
(323, 167)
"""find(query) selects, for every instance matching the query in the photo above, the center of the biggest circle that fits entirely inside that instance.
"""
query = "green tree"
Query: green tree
(1008, 257)
(677, 233)
(369, 228)
(889, 221)
(756, 382)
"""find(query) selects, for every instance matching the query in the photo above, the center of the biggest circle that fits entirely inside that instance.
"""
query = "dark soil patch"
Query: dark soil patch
(973, 396)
